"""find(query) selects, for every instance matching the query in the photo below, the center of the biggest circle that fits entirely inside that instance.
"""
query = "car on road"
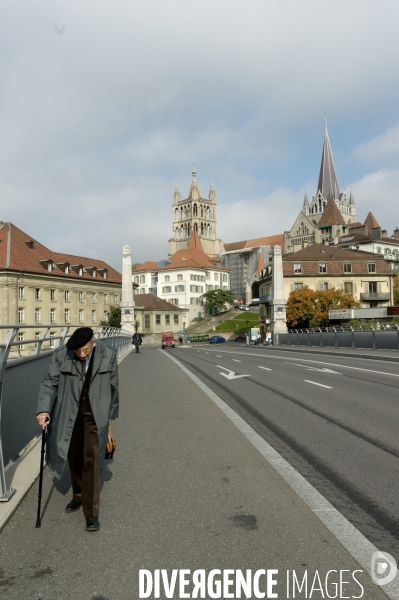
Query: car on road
(168, 340)
(216, 339)
(240, 337)
(242, 307)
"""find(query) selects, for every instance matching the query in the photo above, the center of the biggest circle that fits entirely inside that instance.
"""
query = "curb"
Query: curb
(331, 353)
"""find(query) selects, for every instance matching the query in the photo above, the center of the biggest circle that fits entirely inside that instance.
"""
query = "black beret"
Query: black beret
(79, 338)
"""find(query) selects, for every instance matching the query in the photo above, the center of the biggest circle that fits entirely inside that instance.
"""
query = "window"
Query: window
(80, 271)
(387, 251)
(179, 288)
(167, 289)
(38, 293)
(66, 296)
(323, 285)
(93, 316)
(225, 277)
(142, 290)
(371, 268)
(94, 297)
(208, 275)
(37, 315)
(142, 278)
(348, 287)
(167, 319)
(347, 268)
(297, 268)
(21, 293)
(81, 297)
(378, 249)
(37, 335)
(167, 277)
(105, 274)
(225, 287)
(52, 315)
(198, 289)
(157, 319)
(52, 340)
(52, 295)
(373, 287)
(136, 279)
(21, 315)
(94, 272)
(322, 268)
(195, 301)
(116, 298)
(298, 286)
(66, 315)
(105, 316)
(66, 269)
(215, 277)
(81, 315)
(105, 298)
(49, 266)
(180, 278)
(20, 339)
(209, 288)
(147, 321)
(176, 319)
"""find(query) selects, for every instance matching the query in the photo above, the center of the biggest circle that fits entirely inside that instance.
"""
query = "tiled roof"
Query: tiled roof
(192, 257)
(331, 215)
(149, 302)
(271, 240)
(311, 256)
(261, 263)
(371, 222)
(355, 225)
(148, 265)
(26, 254)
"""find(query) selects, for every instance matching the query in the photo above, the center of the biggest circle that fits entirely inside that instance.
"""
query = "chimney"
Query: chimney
(396, 233)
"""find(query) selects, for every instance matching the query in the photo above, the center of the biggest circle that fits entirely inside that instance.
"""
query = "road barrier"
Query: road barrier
(386, 339)
(23, 366)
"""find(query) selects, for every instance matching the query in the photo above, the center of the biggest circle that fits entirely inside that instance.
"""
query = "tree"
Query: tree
(396, 290)
(113, 317)
(136, 324)
(309, 308)
(218, 299)
(135, 265)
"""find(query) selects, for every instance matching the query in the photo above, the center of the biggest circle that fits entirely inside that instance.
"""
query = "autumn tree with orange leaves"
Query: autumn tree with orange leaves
(309, 308)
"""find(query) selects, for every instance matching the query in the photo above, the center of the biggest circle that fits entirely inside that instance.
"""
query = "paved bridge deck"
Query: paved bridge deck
(186, 490)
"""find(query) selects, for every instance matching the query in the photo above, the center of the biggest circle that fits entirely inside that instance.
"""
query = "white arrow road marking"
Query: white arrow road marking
(265, 368)
(231, 374)
(314, 368)
(235, 360)
(320, 384)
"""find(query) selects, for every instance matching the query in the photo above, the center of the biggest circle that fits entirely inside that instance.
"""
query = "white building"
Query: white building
(183, 278)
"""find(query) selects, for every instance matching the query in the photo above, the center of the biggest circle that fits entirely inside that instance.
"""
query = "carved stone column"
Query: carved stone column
(127, 304)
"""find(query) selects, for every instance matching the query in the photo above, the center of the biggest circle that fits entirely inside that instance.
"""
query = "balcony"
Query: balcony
(265, 299)
(375, 297)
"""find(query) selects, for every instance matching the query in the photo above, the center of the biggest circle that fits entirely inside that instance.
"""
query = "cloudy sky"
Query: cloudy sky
(106, 104)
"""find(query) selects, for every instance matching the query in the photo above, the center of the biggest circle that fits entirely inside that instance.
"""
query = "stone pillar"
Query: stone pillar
(127, 304)
(248, 294)
(278, 303)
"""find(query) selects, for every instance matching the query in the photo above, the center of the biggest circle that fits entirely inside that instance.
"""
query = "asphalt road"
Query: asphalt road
(186, 490)
(334, 418)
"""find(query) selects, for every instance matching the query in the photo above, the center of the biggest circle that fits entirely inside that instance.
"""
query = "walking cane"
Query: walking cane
(39, 496)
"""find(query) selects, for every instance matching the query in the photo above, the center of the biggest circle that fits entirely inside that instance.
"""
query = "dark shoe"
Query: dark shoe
(73, 505)
(92, 524)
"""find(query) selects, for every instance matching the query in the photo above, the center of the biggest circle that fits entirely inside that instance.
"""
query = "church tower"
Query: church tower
(197, 213)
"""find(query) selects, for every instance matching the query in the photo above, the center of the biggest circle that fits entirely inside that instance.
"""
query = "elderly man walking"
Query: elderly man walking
(77, 400)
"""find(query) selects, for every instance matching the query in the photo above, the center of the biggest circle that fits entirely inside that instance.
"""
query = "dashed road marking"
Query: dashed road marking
(320, 384)
(265, 368)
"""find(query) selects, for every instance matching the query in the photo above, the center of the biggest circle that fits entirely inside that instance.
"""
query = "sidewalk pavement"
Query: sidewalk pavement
(191, 487)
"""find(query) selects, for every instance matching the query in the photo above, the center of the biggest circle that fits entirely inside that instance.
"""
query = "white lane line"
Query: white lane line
(320, 384)
(318, 362)
(206, 352)
(235, 360)
(355, 542)
(265, 368)
(219, 355)
(197, 350)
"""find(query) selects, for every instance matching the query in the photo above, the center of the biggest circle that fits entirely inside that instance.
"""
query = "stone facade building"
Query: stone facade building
(195, 212)
(156, 316)
(41, 287)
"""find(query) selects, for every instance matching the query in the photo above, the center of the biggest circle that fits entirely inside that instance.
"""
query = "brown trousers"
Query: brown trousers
(84, 461)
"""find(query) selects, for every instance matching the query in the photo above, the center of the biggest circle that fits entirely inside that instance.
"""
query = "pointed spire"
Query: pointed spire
(212, 194)
(328, 182)
(331, 215)
(176, 195)
(194, 192)
(351, 199)
(371, 222)
(305, 200)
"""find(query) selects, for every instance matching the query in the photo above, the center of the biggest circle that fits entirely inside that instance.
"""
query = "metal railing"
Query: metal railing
(20, 378)
(386, 338)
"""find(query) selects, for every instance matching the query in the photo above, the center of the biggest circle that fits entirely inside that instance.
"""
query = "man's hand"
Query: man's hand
(43, 419)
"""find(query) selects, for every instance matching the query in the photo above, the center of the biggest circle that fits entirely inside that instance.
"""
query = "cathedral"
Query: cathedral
(329, 214)
(196, 213)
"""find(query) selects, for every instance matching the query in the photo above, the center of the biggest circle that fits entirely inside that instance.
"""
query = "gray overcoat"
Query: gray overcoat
(60, 393)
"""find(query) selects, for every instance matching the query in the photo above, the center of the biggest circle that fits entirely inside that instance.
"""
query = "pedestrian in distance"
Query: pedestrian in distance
(79, 398)
(137, 341)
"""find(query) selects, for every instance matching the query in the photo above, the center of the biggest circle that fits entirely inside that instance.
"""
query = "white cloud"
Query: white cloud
(381, 150)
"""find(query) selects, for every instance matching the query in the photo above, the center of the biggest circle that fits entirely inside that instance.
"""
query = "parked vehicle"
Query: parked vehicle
(240, 337)
(243, 307)
(168, 340)
(217, 339)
